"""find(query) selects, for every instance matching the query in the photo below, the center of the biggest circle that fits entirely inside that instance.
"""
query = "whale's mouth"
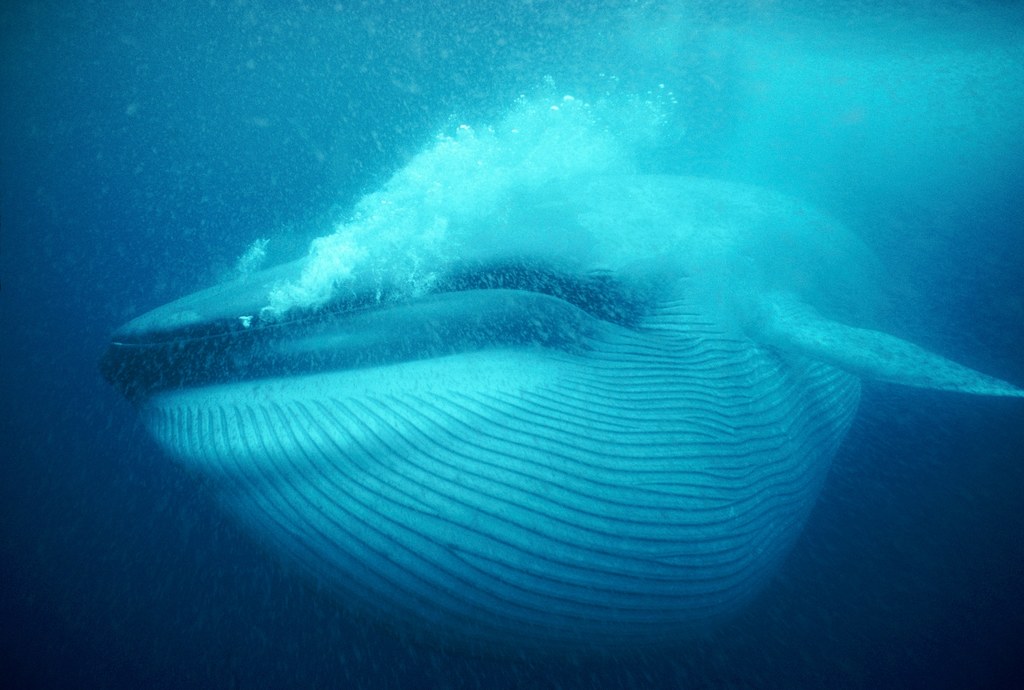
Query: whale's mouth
(219, 335)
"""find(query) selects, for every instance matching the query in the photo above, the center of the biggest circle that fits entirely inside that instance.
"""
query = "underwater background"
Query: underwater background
(144, 148)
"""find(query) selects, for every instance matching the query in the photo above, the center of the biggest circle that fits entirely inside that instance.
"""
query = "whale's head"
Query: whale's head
(595, 414)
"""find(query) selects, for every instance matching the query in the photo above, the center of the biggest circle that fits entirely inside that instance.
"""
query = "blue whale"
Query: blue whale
(602, 427)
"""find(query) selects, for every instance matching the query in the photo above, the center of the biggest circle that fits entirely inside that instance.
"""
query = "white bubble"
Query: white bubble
(457, 197)
(253, 258)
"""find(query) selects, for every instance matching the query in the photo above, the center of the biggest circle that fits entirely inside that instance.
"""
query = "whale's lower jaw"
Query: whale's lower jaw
(628, 493)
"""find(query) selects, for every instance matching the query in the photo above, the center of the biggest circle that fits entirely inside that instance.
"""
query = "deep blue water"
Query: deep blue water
(144, 149)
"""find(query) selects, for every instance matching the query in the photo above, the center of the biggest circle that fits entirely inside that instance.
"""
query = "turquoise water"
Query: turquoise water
(145, 152)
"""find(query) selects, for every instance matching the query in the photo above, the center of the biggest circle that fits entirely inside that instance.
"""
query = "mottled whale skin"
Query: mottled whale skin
(538, 452)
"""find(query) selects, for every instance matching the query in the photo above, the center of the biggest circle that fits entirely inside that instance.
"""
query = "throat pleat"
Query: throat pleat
(649, 482)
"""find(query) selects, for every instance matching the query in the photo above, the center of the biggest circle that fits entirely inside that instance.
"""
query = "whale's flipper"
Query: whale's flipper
(792, 326)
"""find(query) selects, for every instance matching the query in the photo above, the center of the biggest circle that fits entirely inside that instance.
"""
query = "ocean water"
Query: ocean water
(150, 152)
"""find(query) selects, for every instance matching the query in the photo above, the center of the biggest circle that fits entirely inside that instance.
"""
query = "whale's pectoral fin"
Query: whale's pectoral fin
(792, 326)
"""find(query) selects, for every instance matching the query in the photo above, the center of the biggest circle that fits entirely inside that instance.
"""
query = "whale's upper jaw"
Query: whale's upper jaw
(220, 334)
